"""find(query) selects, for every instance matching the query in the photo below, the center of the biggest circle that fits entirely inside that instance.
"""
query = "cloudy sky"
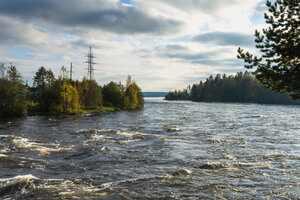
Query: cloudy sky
(163, 44)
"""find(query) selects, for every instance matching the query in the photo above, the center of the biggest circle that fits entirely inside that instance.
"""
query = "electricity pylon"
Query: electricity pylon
(90, 61)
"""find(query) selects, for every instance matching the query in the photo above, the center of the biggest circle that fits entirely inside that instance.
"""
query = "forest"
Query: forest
(62, 95)
(241, 87)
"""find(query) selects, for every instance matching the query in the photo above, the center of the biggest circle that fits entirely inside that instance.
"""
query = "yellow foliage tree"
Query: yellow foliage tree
(133, 98)
(90, 94)
(68, 101)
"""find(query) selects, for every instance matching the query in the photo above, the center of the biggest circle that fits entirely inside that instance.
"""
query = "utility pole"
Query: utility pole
(91, 63)
(71, 71)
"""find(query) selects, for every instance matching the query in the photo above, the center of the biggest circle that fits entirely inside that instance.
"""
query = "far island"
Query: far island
(241, 87)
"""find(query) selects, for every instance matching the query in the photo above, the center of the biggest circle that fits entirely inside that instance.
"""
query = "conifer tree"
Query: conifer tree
(12, 93)
(278, 67)
(43, 81)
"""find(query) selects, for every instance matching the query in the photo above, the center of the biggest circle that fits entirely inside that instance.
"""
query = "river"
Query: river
(168, 150)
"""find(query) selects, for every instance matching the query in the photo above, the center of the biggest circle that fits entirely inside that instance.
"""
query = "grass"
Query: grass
(103, 109)
(33, 110)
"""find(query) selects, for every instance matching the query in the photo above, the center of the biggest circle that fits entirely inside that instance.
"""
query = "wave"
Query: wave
(172, 128)
(216, 140)
(111, 135)
(219, 165)
(134, 180)
(85, 131)
(278, 155)
(6, 136)
(17, 183)
(230, 157)
(103, 138)
(269, 124)
(20, 185)
(183, 171)
(3, 155)
(125, 133)
(41, 148)
(214, 165)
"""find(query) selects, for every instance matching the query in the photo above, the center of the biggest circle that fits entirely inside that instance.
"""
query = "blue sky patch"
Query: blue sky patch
(126, 1)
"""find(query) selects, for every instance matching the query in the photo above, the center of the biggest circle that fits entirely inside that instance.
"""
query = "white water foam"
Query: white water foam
(43, 149)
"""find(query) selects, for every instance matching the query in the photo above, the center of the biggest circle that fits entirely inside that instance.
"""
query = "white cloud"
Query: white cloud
(150, 40)
(14, 32)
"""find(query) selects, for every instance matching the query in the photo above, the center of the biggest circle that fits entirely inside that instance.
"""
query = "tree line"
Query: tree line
(241, 87)
(61, 95)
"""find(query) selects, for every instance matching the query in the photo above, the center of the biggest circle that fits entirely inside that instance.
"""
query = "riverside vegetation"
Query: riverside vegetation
(242, 87)
(62, 95)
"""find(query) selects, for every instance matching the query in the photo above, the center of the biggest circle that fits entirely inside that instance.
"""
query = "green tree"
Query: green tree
(94, 100)
(43, 78)
(112, 95)
(43, 81)
(12, 94)
(278, 67)
(90, 94)
(2, 70)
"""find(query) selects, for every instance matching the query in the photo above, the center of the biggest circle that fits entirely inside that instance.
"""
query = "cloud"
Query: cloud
(162, 43)
(207, 6)
(103, 15)
(173, 47)
(14, 32)
(36, 56)
(225, 39)
(17, 34)
(189, 56)
(219, 62)
(186, 52)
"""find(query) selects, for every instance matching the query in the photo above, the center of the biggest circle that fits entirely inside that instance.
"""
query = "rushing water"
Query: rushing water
(168, 150)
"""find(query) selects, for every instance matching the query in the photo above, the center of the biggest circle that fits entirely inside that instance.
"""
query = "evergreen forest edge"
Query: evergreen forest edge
(240, 88)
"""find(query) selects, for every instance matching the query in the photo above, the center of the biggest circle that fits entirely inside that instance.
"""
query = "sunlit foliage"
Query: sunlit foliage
(67, 99)
(133, 98)
(90, 94)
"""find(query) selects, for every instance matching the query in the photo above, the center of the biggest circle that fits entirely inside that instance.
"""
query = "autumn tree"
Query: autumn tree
(90, 94)
(278, 66)
(66, 99)
(133, 98)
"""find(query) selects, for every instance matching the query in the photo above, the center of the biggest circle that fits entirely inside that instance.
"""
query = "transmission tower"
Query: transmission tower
(90, 61)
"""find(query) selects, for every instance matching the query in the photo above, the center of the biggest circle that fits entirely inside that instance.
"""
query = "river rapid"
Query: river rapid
(168, 150)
